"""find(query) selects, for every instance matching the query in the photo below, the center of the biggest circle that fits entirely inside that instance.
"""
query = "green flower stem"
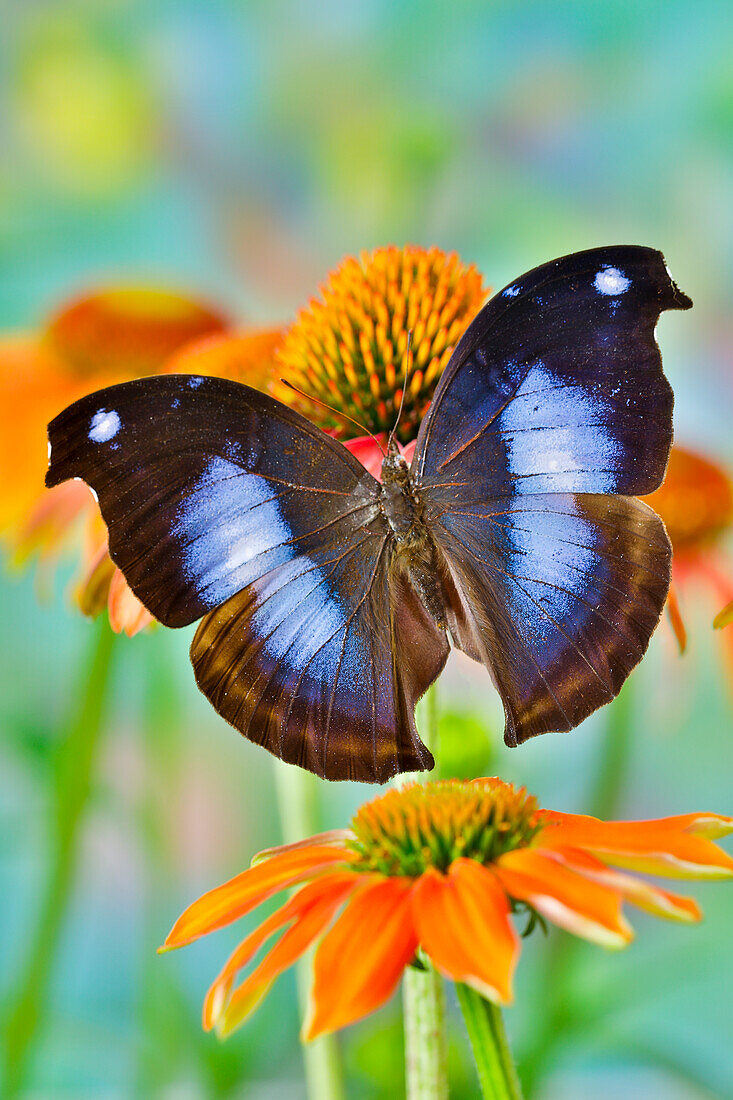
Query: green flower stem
(614, 756)
(426, 1056)
(160, 1006)
(423, 997)
(74, 771)
(561, 1017)
(296, 792)
(494, 1063)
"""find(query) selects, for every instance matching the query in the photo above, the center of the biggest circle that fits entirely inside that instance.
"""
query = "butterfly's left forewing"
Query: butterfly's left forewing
(554, 402)
(224, 503)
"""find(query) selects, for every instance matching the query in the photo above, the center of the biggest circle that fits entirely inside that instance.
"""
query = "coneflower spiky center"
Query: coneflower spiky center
(348, 348)
(405, 831)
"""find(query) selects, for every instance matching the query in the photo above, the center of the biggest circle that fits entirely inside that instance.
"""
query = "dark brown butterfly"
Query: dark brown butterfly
(328, 598)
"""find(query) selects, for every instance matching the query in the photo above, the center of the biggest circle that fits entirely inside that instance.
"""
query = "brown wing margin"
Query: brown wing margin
(558, 597)
(323, 665)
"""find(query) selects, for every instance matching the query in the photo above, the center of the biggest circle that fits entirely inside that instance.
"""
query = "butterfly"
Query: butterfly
(328, 600)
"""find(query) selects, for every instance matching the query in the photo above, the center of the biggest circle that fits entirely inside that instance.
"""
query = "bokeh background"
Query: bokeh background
(240, 150)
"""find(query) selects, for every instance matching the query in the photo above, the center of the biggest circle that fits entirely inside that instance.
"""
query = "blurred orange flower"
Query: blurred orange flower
(107, 336)
(695, 501)
(442, 867)
(348, 351)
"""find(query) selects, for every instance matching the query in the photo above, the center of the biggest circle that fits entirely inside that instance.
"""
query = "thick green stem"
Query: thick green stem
(494, 1063)
(159, 1009)
(614, 756)
(75, 765)
(296, 792)
(423, 998)
(560, 1015)
(426, 1056)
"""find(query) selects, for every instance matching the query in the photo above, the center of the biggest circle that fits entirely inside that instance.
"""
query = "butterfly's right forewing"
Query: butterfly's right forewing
(224, 503)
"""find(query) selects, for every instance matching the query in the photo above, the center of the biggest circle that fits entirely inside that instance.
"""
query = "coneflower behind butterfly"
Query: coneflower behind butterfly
(328, 601)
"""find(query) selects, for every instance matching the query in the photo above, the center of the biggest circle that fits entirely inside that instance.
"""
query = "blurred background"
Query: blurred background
(239, 151)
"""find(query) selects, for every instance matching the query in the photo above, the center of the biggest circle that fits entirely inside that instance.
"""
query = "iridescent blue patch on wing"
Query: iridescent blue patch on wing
(298, 616)
(229, 519)
(557, 435)
(232, 531)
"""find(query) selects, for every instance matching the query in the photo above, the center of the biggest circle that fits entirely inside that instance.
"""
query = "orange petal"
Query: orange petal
(463, 921)
(126, 612)
(314, 913)
(676, 620)
(122, 332)
(33, 388)
(642, 894)
(92, 591)
(233, 899)
(678, 847)
(567, 899)
(247, 357)
(724, 617)
(359, 963)
(332, 836)
(51, 520)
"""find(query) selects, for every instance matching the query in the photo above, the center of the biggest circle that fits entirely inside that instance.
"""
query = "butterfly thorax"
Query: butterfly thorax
(400, 502)
(414, 547)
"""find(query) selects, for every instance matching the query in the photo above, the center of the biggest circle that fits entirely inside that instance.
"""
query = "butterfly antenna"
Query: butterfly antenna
(404, 388)
(336, 412)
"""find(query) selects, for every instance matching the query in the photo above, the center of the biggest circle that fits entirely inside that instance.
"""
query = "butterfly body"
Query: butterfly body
(327, 599)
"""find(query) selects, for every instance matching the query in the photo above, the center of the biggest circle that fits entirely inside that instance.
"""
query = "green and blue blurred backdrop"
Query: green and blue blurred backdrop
(241, 150)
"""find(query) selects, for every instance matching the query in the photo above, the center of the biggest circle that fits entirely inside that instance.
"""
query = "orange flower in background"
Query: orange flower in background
(695, 501)
(442, 867)
(348, 349)
(98, 339)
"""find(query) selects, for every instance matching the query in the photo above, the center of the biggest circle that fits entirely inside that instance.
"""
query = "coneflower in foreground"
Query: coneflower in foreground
(444, 868)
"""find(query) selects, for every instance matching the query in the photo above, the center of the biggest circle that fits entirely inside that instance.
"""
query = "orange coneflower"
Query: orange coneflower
(348, 349)
(695, 501)
(107, 336)
(444, 867)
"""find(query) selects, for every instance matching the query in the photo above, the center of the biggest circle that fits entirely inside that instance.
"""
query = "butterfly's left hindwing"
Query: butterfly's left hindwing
(553, 402)
(222, 502)
(331, 691)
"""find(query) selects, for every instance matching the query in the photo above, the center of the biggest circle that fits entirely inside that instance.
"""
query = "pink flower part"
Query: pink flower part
(367, 450)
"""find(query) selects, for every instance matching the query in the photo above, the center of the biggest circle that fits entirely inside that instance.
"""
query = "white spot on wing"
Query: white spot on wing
(511, 292)
(610, 280)
(104, 426)
(195, 381)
